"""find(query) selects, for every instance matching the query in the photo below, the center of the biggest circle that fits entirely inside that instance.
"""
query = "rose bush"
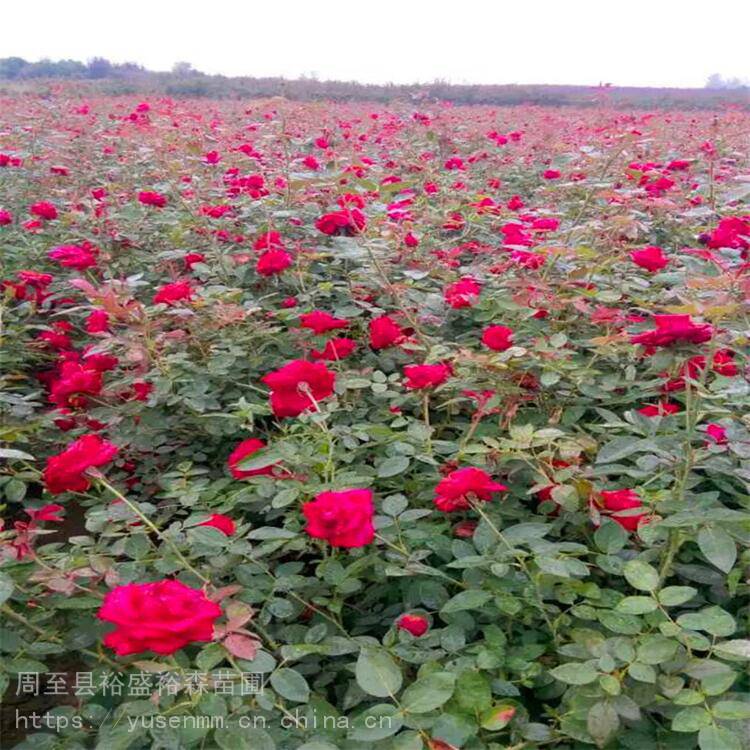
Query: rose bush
(438, 422)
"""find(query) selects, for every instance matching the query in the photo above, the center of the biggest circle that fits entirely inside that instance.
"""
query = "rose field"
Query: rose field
(332, 425)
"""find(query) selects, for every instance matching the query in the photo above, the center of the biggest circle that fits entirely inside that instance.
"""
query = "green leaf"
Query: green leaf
(610, 537)
(428, 693)
(575, 673)
(718, 547)
(642, 672)
(732, 710)
(393, 466)
(498, 717)
(12, 453)
(377, 674)
(636, 605)
(640, 575)
(376, 723)
(718, 738)
(713, 620)
(691, 719)
(656, 649)
(259, 460)
(602, 722)
(290, 684)
(739, 648)
(471, 599)
(671, 596)
(619, 448)
(6, 587)
(473, 692)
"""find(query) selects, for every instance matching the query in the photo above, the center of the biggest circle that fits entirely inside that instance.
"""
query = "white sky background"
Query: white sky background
(623, 42)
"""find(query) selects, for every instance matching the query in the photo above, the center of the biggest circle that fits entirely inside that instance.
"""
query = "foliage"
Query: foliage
(556, 618)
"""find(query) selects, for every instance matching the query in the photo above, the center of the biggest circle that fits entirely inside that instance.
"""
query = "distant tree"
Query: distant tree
(99, 67)
(11, 67)
(183, 69)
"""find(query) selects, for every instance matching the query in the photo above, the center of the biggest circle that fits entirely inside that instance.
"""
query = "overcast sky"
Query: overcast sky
(625, 42)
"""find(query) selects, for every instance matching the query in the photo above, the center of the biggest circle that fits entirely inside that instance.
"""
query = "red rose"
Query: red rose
(348, 222)
(65, 472)
(343, 519)
(732, 232)
(320, 322)
(169, 294)
(97, 322)
(455, 491)
(74, 383)
(151, 198)
(161, 617)
(335, 349)
(43, 210)
(273, 262)
(651, 258)
(723, 363)
(662, 409)
(6, 217)
(269, 241)
(223, 523)
(191, 259)
(717, 433)
(417, 625)
(426, 376)
(244, 450)
(550, 174)
(673, 328)
(619, 504)
(384, 332)
(298, 386)
(463, 293)
(497, 338)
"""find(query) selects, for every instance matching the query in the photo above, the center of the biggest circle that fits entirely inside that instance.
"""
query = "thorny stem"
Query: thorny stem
(155, 530)
(524, 567)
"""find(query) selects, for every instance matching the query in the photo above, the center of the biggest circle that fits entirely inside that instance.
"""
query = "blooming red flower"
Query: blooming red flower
(269, 241)
(717, 433)
(349, 222)
(426, 376)
(65, 472)
(74, 383)
(273, 262)
(723, 363)
(152, 198)
(298, 386)
(651, 258)
(619, 504)
(97, 322)
(732, 232)
(223, 523)
(335, 349)
(244, 450)
(497, 338)
(169, 294)
(6, 217)
(457, 489)
(662, 409)
(463, 293)
(43, 210)
(320, 322)
(417, 625)
(673, 328)
(191, 259)
(79, 257)
(343, 519)
(161, 617)
(551, 174)
(384, 332)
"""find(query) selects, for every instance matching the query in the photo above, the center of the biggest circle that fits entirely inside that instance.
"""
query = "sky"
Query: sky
(622, 42)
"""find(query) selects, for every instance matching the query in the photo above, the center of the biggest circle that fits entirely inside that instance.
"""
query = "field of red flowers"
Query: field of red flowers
(340, 425)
